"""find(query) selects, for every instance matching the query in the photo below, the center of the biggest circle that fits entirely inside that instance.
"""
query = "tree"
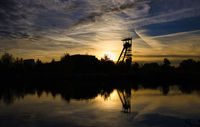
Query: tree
(188, 65)
(38, 62)
(166, 62)
(7, 59)
(135, 66)
(65, 58)
(105, 58)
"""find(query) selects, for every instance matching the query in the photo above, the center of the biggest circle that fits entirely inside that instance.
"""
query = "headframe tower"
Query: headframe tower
(126, 53)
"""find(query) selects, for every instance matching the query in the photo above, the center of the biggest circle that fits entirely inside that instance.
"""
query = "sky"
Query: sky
(46, 29)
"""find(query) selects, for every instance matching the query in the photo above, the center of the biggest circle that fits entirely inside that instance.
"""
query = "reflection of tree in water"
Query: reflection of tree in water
(82, 90)
(8, 96)
(125, 98)
(165, 89)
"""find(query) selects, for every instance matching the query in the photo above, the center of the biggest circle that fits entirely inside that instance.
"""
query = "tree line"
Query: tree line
(88, 66)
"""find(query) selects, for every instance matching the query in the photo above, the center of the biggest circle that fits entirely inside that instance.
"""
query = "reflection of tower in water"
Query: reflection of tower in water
(125, 98)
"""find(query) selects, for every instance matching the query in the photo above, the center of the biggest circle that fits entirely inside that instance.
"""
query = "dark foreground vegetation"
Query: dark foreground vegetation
(86, 67)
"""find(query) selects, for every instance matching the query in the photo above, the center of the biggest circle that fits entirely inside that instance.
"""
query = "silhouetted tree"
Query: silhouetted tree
(188, 64)
(166, 62)
(38, 62)
(107, 65)
(65, 58)
(7, 59)
(53, 61)
(166, 68)
(136, 65)
(105, 58)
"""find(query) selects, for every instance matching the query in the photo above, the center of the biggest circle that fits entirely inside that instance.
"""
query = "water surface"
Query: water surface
(148, 108)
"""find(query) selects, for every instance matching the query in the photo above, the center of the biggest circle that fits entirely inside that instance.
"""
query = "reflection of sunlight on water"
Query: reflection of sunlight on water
(112, 102)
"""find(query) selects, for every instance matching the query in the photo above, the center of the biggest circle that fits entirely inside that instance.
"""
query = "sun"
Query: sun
(110, 55)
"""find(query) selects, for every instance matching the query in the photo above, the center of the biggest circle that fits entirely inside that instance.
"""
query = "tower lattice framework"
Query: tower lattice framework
(126, 53)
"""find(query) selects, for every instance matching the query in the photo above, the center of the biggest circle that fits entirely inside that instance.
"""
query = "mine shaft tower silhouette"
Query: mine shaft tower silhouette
(126, 53)
(125, 56)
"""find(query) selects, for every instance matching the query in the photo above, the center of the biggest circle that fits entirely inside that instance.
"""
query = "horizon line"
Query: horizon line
(181, 56)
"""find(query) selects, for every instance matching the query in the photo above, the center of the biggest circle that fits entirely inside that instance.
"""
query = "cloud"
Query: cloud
(181, 43)
(170, 6)
(48, 25)
(167, 17)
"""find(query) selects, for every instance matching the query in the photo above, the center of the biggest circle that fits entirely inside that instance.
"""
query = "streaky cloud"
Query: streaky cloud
(50, 25)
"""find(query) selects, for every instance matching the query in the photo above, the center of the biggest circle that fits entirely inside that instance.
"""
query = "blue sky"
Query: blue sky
(47, 29)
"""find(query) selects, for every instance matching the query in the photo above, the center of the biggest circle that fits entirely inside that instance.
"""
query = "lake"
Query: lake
(147, 107)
